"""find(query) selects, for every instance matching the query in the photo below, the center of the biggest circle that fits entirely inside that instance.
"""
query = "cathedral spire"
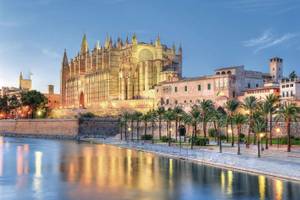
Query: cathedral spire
(65, 59)
(106, 45)
(180, 50)
(97, 46)
(134, 39)
(157, 42)
(84, 44)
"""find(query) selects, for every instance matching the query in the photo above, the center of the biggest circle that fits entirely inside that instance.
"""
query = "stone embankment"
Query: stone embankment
(288, 169)
(60, 128)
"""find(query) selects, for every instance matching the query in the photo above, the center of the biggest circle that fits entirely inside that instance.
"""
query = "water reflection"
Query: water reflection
(106, 172)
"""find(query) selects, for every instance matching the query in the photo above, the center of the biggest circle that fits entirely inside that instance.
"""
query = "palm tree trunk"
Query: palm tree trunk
(121, 131)
(145, 131)
(159, 127)
(220, 141)
(249, 132)
(239, 148)
(232, 134)
(152, 132)
(227, 137)
(169, 133)
(267, 138)
(193, 136)
(270, 129)
(138, 129)
(176, 129)
(126, 130)
(288, 128)
(131, 130)
(204, 129)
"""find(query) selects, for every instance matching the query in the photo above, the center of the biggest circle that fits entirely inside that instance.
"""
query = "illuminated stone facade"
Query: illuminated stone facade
(117, 74)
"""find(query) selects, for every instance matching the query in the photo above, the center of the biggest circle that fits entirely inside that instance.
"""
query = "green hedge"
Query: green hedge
(146, 137)
(200, 141)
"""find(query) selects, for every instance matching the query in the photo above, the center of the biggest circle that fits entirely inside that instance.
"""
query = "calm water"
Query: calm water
(48, 169)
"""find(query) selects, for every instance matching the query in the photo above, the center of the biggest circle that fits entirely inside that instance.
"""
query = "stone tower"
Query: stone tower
(276, 69)
(24, 84)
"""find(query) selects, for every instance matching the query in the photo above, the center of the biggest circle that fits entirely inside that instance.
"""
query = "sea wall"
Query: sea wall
(59, 128)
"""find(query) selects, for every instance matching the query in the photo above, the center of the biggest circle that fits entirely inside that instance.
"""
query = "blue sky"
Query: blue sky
(213, 33)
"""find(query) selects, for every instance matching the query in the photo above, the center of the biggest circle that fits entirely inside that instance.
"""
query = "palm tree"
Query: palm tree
(239, 120)
(160, 113)
(169, 116)
(126, 118)
(137, 117)
(145, 118)
(273, 101)
(288, 112)
(152, 119)
(177, 112)
(231, 107)
(262, 113)
(259, 126)
(205, 107)
(218, 117)
(193, 118)
(250, 105)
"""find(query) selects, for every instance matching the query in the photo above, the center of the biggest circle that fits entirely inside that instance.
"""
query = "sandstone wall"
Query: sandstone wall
(59, 128)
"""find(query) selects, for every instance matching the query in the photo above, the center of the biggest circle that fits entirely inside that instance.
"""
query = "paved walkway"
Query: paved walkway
(274, 162)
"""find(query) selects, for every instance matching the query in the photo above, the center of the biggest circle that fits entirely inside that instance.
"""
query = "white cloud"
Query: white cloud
(268, 40)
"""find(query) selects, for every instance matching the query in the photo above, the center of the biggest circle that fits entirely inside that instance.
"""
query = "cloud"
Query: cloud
(50, 53)
(268, 40)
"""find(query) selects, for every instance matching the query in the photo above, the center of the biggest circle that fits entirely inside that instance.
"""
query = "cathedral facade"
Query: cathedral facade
(118, 75)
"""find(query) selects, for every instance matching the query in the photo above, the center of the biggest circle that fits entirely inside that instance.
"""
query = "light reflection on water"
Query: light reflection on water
(47, 169)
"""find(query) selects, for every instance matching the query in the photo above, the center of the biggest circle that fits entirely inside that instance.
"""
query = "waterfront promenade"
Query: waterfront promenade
(275, 162)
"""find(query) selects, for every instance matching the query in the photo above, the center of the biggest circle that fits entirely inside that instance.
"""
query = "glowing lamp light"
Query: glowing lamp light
(230, 130)
(39, 113)
(129, 129)
(261, 135)
(277, 130)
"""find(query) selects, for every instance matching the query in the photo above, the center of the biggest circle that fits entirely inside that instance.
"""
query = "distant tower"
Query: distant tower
(24, 84)
(276, 69)
(50, 89)
(84, 45)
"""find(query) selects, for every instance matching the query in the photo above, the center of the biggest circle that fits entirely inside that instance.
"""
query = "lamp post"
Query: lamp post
(260, 136)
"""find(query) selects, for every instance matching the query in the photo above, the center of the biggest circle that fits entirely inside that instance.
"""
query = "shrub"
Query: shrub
(199, 141)
(223, 137)
(212, 132)
(146, 137)
(87, 115)
(166, 139)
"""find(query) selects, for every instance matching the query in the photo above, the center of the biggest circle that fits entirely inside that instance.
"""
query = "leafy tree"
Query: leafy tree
(289, 113)
(293, 75)
(34, 100)
(152, 119)
(231, 107)
(239, 120)
(4, 107)
(250, 105)
(13, 103)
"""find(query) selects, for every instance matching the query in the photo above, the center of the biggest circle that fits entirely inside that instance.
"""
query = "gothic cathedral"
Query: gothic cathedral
(118, 75)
